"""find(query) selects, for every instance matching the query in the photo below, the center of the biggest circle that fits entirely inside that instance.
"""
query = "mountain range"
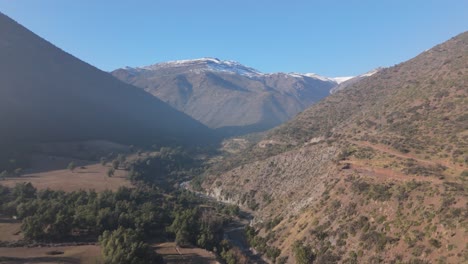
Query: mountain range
(227, 95)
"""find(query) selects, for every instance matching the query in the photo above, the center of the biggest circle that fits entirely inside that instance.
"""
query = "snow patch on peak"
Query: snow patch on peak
(339, 80)
(234, 69)
(314, 76)
(193, 61)
(311, 75)
(370, 73)
(207, 64)
(319, 77)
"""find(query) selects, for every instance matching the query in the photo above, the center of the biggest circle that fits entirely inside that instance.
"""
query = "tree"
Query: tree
(103, 161)
(32, 228)
(50, 221)
(230, 254)
(121, 158)
(24, 191)
(4, 175)
(184, 227)
(110, 172)
(183, 238)
(115, 164)
(125, 246)
(18, 172)
(71, 166)
(210, 229)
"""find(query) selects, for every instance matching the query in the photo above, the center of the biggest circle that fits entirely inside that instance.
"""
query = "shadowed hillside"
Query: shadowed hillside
(48, 95)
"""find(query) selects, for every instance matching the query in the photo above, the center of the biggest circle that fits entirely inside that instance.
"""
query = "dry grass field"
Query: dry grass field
(51, 172)
(66, 255)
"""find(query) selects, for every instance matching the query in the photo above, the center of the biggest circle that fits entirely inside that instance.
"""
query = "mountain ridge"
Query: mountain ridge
(227, 95)
(230, 66)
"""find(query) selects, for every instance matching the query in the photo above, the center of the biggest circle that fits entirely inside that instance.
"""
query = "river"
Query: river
(234, 232)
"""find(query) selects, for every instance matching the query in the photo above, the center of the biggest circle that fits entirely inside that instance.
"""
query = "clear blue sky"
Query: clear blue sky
(328, 37)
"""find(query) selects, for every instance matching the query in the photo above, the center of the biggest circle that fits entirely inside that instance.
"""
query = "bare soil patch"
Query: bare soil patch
(10, 229)
(176, 255)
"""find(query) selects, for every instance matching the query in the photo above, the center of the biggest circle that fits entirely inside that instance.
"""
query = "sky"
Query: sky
(328, 37)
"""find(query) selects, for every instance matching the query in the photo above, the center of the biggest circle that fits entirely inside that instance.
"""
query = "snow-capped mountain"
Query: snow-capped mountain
(228, 95)
(225, 66)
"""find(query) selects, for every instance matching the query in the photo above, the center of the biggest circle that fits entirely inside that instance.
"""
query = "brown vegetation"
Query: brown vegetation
(374, 173)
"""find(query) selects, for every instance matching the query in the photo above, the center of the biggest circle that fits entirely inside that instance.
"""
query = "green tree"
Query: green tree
(110, 172)
(4, 175)
(24, 191)
(32, 228)
(51, 221)
(115, 164)
(184, 227)
(210, 230)
(18, 172)
(71, 166)
(121, 158)
(125, 246)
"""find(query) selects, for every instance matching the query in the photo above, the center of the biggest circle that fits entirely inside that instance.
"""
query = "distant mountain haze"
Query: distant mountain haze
(47, 94)
(227, 95)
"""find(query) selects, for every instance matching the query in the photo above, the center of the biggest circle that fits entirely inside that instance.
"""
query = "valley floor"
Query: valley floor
(65, 254)
(51, 172)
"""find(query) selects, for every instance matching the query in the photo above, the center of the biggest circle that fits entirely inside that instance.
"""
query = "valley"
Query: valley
(212, 161)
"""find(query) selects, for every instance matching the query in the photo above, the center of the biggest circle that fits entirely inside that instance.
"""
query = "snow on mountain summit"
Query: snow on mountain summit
(205, 64)
(339, 80)
(222, 66)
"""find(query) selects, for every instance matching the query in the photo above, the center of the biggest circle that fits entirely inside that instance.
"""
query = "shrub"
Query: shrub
(377, 239)
(303, 253)
(435, 243)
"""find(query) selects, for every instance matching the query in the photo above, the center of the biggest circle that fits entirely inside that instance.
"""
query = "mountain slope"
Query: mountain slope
(420, 104)
(375, 173)
(227, 94)
(49, 95)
